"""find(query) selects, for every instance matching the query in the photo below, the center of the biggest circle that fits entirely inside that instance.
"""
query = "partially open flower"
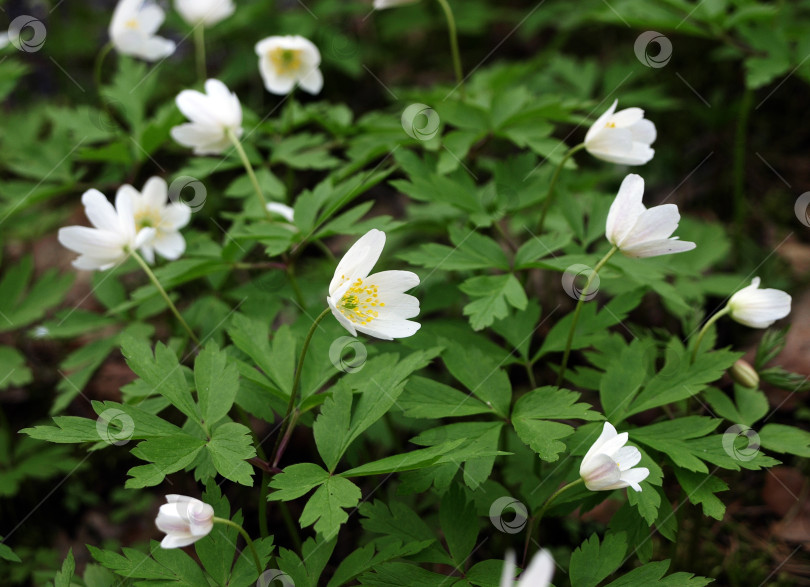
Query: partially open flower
(537, 574)
(114, 235)
(622, 137)
(287, 61)
(211, 114)
(133, 27)
(184, 520)
(152, 209)
(759, 308)
(641, 232)
(204, 12)
(608, 464)
(373, 304)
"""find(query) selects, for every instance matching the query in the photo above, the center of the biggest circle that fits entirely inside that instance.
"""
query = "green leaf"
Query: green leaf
(670, 436)
(459, 524)
(64, 576)
(307, 572)
(162, 372)
(593, 562)
(6, 553)
(69, 429)
(749, 406)
(230, 446)
(217, 382)
(167, 454)
(623, 378)
(21, 303)
(785, 439)
(296, 480)
(480, 373)
(493, 291)
(332, 426)
(13, 370)
(701, 489)
(533, 411)
(519, 327)
(173, 565)
(326, 507)
(426, 398)
(396, 519)
(652, 574)
(417, 459)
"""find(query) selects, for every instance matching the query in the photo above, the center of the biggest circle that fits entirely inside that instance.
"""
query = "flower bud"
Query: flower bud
(184, 520)
(744, 374)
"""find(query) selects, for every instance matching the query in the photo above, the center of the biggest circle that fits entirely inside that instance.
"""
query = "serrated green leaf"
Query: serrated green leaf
(326, 507)
(217, 382)
(592, 562)
(296, 480)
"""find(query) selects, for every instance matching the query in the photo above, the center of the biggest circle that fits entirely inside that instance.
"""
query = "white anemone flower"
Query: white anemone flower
(641, 232)
(287, 61)
(383, 4)
(281, 210)
(622, 137)
(205, 13)
(133, 27)
(184, 520)
(537, 574)
(212, 115)
(608, 464)
(151, 209)
(372, 304)
(759, 308)
(113, 237)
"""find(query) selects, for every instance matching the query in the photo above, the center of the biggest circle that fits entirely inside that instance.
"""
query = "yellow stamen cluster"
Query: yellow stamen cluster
(147, 218)
(610, 125)
(285, 60)
(359, 302)
(132, 23)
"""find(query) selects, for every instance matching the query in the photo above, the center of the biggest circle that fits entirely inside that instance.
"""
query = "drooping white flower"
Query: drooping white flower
(113, 237)
(151, 209)
(642, 232)
(184, 520)
(622, 137)
(537, 574)
(206, 13)
(133, 27)
(211, 114)
(608, 464)
(287, 61)
(281, 210)
(373, 304)
(383, 4)
(759, 308)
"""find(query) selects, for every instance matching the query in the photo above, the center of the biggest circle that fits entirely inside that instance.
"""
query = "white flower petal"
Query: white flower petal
(644, 132)
(627, 117)
(654, 224)
(178, 540)
(171, 246)
(656, 248)
(282, 210)
(608, 432)
(759, 308)
(627, 457)
(626, 209)
(635, 476)
(359, 260)
(509, 565)
(312, 82)
(539, 572)
(389, 329)
(99, 211)
(601, 122)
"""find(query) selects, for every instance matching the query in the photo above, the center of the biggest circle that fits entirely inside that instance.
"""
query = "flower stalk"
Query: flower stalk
(550, 194)
(199, 52)
(451, 28)
(249, 168)
(582, 297)
(291, 417)
(535, 521)
(705, 329)
(153, 278)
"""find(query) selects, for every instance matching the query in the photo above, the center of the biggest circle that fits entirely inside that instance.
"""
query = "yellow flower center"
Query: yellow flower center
(285, 60)
(610, 125)
(132, 23)
(147, 218)
(359, 302)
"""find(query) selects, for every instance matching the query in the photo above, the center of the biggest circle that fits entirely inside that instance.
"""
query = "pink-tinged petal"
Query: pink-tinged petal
(359, 260)
(627, 117)
(635, 476)
(608, 432)
(600, 472)
(626, 209)
(654, 224)
(99, 211)
(178, 540)
(601, 122)
(668, 246)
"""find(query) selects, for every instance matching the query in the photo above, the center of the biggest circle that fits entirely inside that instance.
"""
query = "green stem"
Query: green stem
(705, 329)
(451, 28)
(299, 297)
(102, 55)
(535, 521)
(277, 449)
(249, 168)
(247, 539)
(153, 278)
(550, 194)
(582, 297)
(292, 529)
(199, 50)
